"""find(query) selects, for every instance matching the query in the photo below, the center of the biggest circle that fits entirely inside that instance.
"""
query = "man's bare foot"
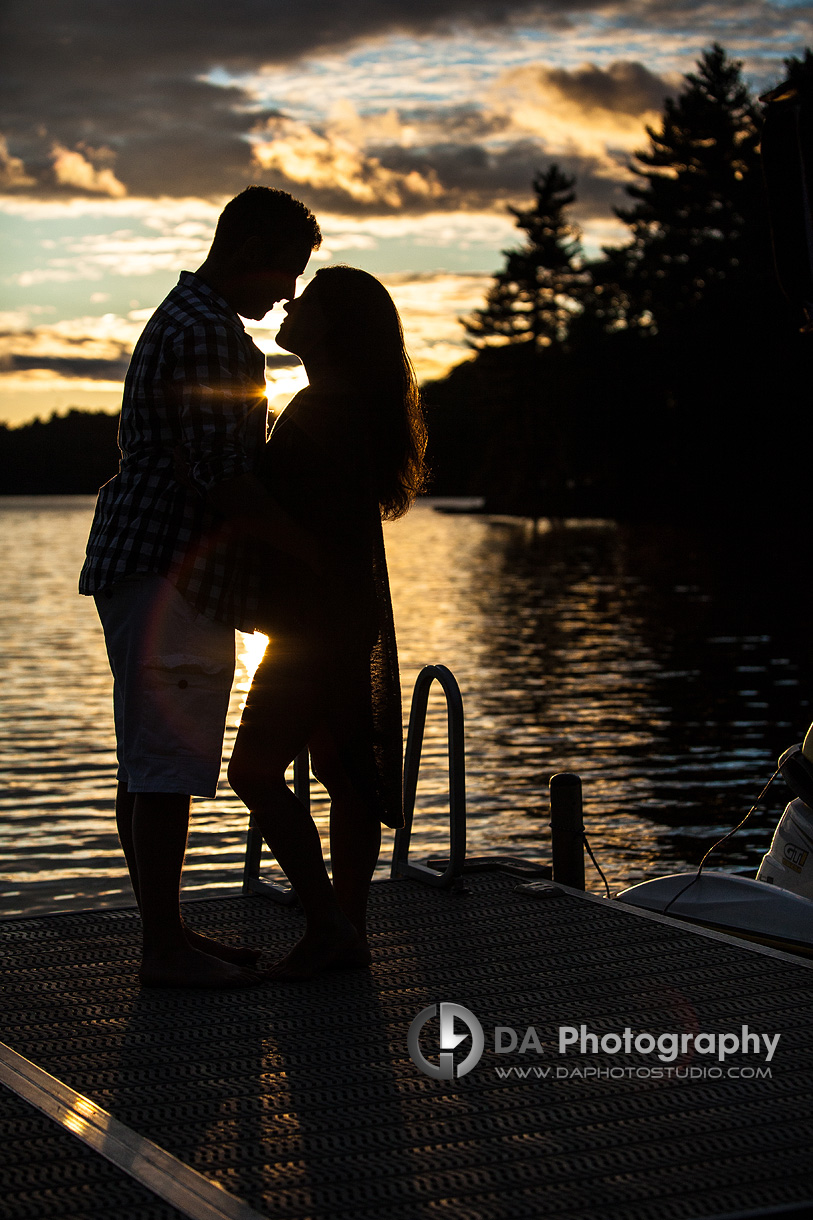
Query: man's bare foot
(188, 967)
(335, 948)
(239, 955)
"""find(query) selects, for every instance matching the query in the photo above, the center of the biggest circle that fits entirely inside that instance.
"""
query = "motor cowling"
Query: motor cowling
(789, 860)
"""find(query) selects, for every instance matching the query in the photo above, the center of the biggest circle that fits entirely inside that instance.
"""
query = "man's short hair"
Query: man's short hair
(264, 211)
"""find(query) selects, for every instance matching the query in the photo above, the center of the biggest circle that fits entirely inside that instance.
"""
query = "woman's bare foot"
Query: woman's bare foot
(338, 947)
(361, 957)
(239, 955)
(188, 967)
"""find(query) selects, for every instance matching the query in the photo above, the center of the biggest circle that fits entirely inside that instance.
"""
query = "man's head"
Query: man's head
(262, 243)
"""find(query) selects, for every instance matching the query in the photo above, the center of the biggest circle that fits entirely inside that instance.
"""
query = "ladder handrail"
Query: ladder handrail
(401, 866)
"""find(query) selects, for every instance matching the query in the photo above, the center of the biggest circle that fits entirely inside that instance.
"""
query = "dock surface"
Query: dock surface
(302, 1099)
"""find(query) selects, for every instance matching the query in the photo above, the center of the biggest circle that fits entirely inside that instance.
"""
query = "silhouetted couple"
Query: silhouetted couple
(208, 527)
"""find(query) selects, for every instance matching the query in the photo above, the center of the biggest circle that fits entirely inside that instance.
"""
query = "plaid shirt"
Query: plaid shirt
(196, 384)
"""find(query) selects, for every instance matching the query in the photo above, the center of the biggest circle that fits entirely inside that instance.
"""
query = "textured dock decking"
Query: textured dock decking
(303, 1101)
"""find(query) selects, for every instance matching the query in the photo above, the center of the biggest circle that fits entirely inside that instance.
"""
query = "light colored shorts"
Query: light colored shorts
(172, 676)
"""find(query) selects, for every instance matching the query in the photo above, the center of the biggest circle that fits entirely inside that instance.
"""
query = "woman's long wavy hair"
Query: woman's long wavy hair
(366, 343)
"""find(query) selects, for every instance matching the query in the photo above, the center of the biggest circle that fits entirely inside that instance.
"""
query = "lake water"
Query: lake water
(666, 671)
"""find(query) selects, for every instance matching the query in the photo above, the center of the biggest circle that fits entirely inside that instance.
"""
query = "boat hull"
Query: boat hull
(727, 902)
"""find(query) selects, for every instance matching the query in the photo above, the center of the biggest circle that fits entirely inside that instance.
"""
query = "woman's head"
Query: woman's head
(346, 325)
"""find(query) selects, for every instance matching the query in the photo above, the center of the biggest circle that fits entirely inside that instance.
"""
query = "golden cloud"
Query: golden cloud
(335, 161)
(72, 168)
(12, 170)
(588, 110)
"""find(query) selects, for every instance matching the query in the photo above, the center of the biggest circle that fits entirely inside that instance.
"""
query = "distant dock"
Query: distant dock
(303, 1102)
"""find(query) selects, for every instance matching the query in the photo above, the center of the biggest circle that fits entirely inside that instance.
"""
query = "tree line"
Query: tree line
(69, 454)
(668, 378)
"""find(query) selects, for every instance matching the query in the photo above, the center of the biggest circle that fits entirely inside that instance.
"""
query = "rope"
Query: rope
(596, 864)
(719, 843)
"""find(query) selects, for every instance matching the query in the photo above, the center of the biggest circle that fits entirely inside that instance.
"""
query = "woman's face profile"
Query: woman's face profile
(305, 326)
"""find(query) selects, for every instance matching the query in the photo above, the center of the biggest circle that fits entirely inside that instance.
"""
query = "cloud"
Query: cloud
(121, 253)
(334, 166)
(475, 177)
(12, 170)
(84, 368)
(78, 168)
(45, 351)
(281, 361)
(599, 114)
(623, 88)
(150, 138)
(470, 157)
(90, 349)
(474, 156)
(133, 82)
(101, 102)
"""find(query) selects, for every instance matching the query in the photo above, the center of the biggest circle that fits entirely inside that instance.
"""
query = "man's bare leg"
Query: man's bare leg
(160, 824)
(125, 807)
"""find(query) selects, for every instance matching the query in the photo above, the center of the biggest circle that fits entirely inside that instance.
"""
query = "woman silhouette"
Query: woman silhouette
(347, 452)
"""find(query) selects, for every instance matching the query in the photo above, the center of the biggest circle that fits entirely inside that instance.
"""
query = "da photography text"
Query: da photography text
(446, 1054)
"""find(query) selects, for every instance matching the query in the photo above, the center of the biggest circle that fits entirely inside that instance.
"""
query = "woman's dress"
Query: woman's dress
(332, 658)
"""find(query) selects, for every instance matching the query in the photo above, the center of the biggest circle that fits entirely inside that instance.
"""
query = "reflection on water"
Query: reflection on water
(669, 677)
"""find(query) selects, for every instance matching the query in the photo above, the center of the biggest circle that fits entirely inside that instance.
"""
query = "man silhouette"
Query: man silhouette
(163, 557)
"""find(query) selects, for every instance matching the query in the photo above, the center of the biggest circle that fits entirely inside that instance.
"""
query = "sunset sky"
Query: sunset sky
(407, 127)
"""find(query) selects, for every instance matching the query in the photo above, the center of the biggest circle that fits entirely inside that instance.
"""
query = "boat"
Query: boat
(775, 908)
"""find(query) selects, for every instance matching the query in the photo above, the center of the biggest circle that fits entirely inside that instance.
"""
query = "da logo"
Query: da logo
(445, 1069)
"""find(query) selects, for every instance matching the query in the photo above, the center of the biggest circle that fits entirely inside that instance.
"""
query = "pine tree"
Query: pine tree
(699, 214)
(533, 300)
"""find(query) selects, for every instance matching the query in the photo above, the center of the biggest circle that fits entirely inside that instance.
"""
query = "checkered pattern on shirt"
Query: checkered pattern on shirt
(196, 385)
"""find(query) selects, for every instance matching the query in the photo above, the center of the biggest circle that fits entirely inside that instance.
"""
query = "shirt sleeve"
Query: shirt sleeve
(219, 390)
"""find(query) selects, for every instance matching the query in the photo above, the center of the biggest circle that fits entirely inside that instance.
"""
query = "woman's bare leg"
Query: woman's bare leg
(257, 774)
(355, 844)
(355, 833)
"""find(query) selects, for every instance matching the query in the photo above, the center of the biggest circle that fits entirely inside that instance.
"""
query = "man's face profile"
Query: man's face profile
(270, 278)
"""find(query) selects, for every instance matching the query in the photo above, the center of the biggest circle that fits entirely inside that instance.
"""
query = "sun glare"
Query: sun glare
(250, 650)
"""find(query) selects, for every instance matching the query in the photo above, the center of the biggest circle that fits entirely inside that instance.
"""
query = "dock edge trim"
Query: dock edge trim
(196, 1196)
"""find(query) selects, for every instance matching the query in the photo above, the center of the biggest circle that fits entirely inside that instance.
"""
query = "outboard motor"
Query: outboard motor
(789, 861)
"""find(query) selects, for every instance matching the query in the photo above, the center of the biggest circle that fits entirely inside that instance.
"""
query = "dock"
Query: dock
(302, 1101)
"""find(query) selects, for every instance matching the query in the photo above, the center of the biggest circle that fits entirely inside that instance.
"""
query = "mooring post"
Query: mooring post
(567, 829)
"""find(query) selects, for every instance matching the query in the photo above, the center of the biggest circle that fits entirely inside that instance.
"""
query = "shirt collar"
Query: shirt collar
(195, 284)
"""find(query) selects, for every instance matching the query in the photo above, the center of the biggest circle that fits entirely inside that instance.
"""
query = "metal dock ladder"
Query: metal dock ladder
(401, 866)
